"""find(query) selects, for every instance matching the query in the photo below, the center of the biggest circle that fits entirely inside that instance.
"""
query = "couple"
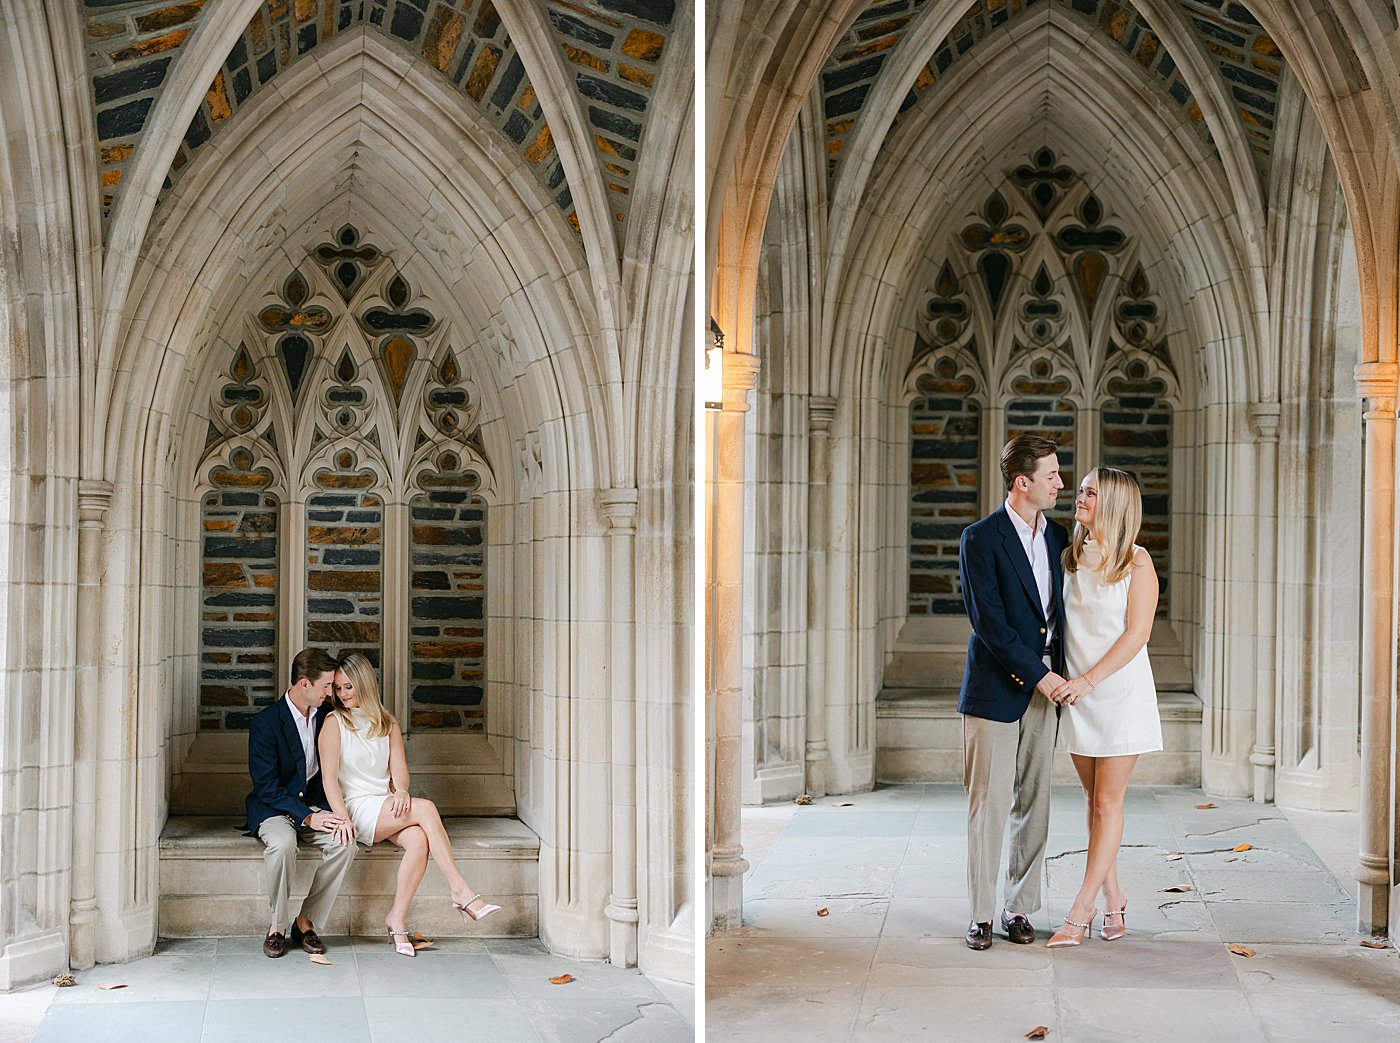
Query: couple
(328, 767)
(1059, 639)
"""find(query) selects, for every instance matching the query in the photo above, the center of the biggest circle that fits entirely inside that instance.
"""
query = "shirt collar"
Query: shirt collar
(1020, 523)
(297, 715)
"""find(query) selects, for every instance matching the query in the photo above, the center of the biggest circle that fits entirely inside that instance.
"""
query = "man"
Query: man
(1010, 567)
(287, 802)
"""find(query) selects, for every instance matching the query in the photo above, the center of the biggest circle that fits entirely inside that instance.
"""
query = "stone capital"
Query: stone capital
(1264, 420)
(619, 507)
(1376, 382)
(740, 376)
(821, 414)
(94, 499)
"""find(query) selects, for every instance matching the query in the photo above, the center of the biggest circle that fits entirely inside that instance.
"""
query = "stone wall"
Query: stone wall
(345, 562)
(1137, 437)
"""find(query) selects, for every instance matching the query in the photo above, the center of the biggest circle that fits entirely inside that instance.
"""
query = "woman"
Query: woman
(1110, 703)
(366, 779)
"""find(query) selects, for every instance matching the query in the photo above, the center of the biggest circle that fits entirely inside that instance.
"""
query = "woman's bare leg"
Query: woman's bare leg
(424, 814)
(1086, 767)
(411, 869)
(1111, 776)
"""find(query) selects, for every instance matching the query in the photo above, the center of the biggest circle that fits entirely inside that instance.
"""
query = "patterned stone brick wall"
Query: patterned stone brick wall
(614, 48)
(1137, 437)
(345, 561)
(1040, 406)
(131, 47)
(464, 40)
(447, 686)
(238, 628)
(945, 425)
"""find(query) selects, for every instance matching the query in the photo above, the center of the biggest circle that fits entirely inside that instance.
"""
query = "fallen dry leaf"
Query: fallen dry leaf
(419, 936)
(802, 798)
(1232, 859)
(1371, 943)
(823, 911)
(110, 985)
(843, 804)
(425, 944)
(316, 957)
(1175, 858)
(563, 979)
(1242, 847)
(1039, 1032)
(1176, 889)
(1202, 807)
(1241, 950)
(64, 980)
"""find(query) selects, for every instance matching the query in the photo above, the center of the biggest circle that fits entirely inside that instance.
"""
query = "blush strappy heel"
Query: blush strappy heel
(402, 945)
(471, 908)
(1064, 937)
(1112, 934)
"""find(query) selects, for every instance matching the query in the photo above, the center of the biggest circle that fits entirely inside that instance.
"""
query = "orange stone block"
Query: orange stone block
(345, 481)
(579, 56)
(643, 45)
(573, 222)
(482, 71)
(255, 617)
(111, 178)
(218, 525)
(342, 535)
(636, 74)
(105, 30)
(446, 649)
(435, 719)
(264, 579)
(217, 96)
(116, 153)
(154, 45)
(219, 574)
(440, 41)
(527, 97)
(305, 10)
(540, 147)
(166, 17)
(343, 580)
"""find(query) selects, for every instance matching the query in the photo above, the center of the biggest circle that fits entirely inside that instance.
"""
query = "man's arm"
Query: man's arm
(987, 612)
(262, 767)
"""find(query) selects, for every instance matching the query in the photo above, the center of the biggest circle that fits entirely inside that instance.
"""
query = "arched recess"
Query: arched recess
(395, 152)
(1161, 172)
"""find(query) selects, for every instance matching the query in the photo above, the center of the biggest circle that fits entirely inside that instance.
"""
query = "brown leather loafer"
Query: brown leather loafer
(308, 939)
(275, 945)
(1017, 927)
(979, 935)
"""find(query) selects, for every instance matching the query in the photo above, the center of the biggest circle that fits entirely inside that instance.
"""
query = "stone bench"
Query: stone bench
(212, 883)
(918, 738)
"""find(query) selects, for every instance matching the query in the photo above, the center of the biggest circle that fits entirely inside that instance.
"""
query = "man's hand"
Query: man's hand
(1048, 685)
(1071, 692)
(325, 821)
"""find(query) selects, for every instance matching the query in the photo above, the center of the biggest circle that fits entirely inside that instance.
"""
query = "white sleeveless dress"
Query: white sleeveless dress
(1119, 717)
(363, 775)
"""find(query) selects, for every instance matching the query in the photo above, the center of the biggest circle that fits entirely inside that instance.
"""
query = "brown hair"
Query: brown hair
(1022, 455)
(311, 663)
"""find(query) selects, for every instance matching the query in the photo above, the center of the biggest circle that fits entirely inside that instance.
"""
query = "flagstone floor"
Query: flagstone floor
(888, 961)
(215, 990)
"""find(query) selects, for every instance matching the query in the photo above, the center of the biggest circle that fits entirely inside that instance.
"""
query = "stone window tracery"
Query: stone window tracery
(344, 497)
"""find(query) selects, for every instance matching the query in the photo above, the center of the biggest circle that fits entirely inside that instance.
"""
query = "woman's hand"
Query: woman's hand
(400, 803)
(1073, 690)
(344, 831)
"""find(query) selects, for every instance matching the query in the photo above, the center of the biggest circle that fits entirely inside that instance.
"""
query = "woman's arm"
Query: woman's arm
(1142, 608)
(328, 750)
(398, 772)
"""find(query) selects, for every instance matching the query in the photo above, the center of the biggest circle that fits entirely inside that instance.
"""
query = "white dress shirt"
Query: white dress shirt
(306, 728)
(1038, 551)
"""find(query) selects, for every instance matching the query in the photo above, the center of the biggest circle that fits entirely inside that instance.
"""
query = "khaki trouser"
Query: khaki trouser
(1006, 772)
(280, 838)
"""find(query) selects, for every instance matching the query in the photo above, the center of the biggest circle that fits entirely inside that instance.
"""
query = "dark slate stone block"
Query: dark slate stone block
(333, 500)
(267, 66)
(943, 58)
(874, 14)
(578, 29)
(1254, 101)
(330, 606)
(614, 123)
(240, 637)
(258, 521)
(306, 37)
(610, 93)
(346, 14)
(406, 23)
(517, 127)
(449, 607)
(1249, 78)
(232, 499)
(430, 581)
(555, 179)
(126, 82)
(238, 56)
(240, 722)
(433, 514)
(658, 12)
(123, 119)
(324, 516)
(845, 103)
(241, 599)
(424, 631)
(508, 83)
(231, 547)
(238, 675)
(432, 671)
(350, 557)
(448, 695)
(1240, 13)
(1088, 7)
(1218, 32)
(198, 133)
(854, 73)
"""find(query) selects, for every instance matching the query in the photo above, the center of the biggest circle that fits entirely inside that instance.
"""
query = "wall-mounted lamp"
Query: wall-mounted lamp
(712, 378)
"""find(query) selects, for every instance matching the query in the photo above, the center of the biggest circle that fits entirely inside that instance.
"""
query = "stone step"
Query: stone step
(918, 738)
(212, 884)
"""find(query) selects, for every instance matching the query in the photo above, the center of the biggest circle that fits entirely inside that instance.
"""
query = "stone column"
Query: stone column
(821, 413)
(1264, 419)
(94, 500)
(724, 640)
(1377, 384)
(620, 508)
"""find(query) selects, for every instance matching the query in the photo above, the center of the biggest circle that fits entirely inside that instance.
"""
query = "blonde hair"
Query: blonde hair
(367, 699)
(1117, 519)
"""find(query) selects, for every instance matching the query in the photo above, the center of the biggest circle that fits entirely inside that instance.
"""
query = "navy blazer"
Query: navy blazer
(278, 767)
(1005, 655)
